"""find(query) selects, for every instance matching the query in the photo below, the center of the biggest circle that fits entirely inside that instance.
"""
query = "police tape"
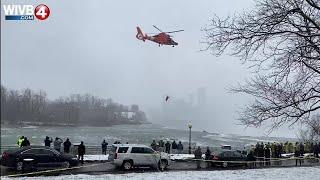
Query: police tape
(257, 161)
(53, 170)
(202, 160)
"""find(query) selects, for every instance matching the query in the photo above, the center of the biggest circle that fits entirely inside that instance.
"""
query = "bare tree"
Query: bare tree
(312, 131)
(280, 40)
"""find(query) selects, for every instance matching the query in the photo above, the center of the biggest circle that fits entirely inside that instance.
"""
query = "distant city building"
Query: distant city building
(201, 97)
(134, 108)
(191, 99)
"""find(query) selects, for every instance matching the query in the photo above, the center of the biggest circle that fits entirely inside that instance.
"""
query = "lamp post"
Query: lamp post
(189, 126)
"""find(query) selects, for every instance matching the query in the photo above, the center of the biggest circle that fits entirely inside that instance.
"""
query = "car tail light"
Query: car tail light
(5, 155)
(115, 155)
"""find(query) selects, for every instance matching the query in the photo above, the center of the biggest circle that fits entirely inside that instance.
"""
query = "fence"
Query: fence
(96, 149)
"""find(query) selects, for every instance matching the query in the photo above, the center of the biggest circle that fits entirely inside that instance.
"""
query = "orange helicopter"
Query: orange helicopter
(163, 38)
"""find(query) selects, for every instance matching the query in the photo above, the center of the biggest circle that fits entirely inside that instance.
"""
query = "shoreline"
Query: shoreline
(26, 125)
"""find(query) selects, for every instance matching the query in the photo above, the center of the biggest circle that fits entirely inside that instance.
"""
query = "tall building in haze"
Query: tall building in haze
(201, 93)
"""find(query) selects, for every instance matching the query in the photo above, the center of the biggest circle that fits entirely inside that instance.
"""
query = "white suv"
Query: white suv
(129, 155)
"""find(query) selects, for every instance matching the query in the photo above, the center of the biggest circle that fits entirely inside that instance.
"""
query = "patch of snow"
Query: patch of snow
(287, 155)
(95, 157)
(295, 173)
(181, 156)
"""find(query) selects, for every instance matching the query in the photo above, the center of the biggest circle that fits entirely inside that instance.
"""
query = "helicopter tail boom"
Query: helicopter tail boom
(140, 35)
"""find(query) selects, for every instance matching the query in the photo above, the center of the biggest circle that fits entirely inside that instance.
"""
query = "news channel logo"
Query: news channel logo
(26, 12)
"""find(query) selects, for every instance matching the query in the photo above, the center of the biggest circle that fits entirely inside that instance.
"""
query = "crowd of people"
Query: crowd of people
(57, 144)
(269, 150)
(274, 150)
(167, 147)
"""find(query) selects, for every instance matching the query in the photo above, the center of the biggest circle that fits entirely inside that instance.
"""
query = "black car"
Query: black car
(35, 157)
(230, 158)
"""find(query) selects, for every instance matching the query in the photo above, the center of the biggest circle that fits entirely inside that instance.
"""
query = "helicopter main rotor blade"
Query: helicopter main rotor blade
(174, 31)
(157, 28)
(151, 33)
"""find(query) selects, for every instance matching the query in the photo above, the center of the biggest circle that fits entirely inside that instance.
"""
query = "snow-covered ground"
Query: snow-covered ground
(95, 157)
(295, 173)
(181, 156)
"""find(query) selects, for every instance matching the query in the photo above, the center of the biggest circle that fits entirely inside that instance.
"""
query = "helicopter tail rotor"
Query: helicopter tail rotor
(140, 35)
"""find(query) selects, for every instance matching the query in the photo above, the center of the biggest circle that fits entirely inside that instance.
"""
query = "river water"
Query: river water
(141, 134)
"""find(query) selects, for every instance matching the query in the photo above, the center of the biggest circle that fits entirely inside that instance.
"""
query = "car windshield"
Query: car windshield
(148, 150)
(123, 149)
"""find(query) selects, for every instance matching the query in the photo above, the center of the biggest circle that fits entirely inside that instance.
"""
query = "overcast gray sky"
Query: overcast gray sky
(90, 47)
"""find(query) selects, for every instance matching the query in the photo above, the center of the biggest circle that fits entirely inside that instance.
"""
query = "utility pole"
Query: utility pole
(189, 126)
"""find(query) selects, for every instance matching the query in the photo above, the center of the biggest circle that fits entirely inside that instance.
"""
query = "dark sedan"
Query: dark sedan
(34, 157)
(230, 158)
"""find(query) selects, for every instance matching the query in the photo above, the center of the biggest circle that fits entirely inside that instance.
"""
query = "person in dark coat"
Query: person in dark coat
(277, 150)
(261, 151)
(301, 149)
(198, 156)
(174, 145)
(297, 153)
(180, 147)
(25, 142)
(66, 146)
(57, 144)
(81, 151)
(251, 158)
(104, 145)
(168, 146)
(154, 145)
(208, 154)
(161, 146)
(316, 149)
(161, 143)
(47, 141)
(281, 150)
(267, 154)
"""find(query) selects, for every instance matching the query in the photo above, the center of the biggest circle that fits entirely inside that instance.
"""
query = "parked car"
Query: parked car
(34, 157)
(224, 146)
(229, 155)
(130, 155)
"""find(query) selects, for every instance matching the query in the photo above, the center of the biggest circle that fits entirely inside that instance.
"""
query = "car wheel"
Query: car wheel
(225, 164)
(246, 165)
(28, 166)
(19, 166)
(127, 165)
(66, 164)
(162, 165)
